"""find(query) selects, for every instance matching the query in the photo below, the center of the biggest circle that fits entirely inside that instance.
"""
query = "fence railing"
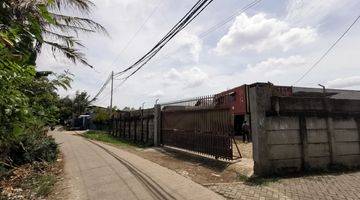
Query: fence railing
(201, 124)
(135, 126)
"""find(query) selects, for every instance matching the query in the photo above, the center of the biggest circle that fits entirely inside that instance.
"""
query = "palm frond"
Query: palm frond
(68, 28)
(79, 22)
(72, 54)
(80, 5)
(70, 41)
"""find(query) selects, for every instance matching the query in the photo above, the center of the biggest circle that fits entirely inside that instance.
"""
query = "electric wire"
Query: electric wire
(101, 89)
(126, 46)
(228, 19)
(204, 34)
(194, 11)
(327, 51)
(192, 14)
(218, 25)
(138, 31)
(188, 18)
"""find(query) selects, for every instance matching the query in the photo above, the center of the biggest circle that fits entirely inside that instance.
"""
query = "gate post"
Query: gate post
(157, 124)
(259, 103)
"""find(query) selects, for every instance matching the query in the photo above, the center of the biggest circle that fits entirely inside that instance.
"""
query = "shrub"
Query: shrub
(33, 146)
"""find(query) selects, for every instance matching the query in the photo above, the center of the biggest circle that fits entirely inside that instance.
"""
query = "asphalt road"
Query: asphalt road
(96, 170)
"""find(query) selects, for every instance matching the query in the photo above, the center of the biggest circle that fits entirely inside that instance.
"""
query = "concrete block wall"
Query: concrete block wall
(298, 141)
(347, 140)
(283, 142)
(288, 152)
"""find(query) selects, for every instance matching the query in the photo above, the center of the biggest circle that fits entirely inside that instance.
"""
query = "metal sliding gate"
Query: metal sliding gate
(201, 125)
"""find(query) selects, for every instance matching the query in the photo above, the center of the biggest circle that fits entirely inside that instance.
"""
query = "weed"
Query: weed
(257, 181)
(43, 184)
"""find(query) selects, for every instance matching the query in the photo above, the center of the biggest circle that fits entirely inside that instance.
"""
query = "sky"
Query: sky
(275, 41)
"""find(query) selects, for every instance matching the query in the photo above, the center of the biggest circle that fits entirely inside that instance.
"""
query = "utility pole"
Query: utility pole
(111, 96)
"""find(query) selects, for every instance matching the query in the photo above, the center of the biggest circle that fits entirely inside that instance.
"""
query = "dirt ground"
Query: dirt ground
(39, 180)
(200, 169)
(203, 170)
(61, 187)
(245, 148)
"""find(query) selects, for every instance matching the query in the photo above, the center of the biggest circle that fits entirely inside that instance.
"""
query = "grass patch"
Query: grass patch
(257, 181)
(37, 179)
(105, 137)
(41, 184)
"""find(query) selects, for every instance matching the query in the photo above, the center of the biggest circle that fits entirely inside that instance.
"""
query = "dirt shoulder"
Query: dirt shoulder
(202, 170)
(38, 180)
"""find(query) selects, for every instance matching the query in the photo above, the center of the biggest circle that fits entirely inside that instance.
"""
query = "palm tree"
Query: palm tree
(27, 25)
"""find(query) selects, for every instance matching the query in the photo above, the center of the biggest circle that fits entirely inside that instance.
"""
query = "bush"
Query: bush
(33, 146)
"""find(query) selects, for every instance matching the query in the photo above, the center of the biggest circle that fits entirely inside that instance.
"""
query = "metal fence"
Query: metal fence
(135, 126)
(201, 124)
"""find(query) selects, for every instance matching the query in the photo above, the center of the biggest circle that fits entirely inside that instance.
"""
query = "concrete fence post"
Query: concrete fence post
(157, 124)
(330, 131)
(357, 120)
(259, 103)
(331, 139)
(304, 143)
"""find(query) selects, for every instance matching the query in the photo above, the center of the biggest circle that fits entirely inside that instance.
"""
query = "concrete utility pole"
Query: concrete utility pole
(111, 97)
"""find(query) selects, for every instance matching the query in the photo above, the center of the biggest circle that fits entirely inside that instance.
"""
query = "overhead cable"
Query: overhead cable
(328, 50)
(190, 16)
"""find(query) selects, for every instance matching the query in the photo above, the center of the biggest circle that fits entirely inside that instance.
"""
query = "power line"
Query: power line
(222, 23)
(138, 31)
(108, 94)
(101, 89)
(228, 19)
(204, 34)
(190, 16)
(328, 51)
(126, 46)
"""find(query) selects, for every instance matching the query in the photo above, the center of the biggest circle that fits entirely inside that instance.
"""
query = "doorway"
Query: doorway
(238, 121)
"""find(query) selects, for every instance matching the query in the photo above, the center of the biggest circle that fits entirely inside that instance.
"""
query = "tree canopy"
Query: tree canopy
(29, 99)
(27, 25)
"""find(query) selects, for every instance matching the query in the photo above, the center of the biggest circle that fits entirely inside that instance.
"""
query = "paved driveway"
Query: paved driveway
(99, 171)
(339, 186)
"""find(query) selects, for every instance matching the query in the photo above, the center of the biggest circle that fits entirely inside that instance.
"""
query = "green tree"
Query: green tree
(28, 99)
(65, 109)
(27, 25)
(69, 108)
(44, 100)
(81, 102)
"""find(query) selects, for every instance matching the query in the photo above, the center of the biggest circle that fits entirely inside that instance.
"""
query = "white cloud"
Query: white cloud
(149, 76)
(157, 94)
(314, 11)
(185, 48)
(192, 77)
(261, 33)
(344, 82)
(191, 42)
(196, 70)
(277, 66)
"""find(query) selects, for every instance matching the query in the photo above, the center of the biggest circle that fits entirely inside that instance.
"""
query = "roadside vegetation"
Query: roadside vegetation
(103, 136)
(31, 181)
(29, 103)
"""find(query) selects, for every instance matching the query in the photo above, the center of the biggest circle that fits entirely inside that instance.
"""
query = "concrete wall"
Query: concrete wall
(323, 141)
(295, 135)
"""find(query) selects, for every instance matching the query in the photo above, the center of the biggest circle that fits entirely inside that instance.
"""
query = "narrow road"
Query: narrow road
(98, 171)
